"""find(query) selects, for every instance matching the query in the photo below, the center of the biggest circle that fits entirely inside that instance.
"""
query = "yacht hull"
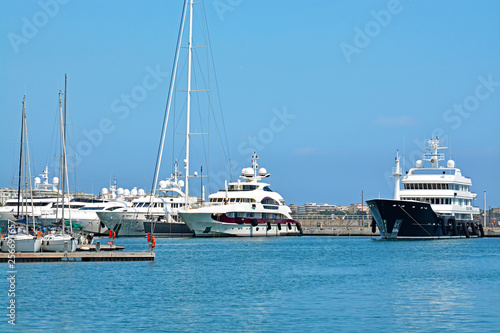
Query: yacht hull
(203, 225)
(400, 219)
(90, 224)
(167, 229)
(125, 224)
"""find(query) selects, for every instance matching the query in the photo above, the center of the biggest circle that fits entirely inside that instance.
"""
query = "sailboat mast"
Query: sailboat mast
(28, 170)
(169, 100)
(188, 103)
(65, 158)
(61, 163)
(24, 186)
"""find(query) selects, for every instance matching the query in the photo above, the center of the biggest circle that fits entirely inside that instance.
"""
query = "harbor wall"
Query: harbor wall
(326, 225)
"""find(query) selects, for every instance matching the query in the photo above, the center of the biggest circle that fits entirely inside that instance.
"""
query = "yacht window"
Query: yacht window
(270, 201)
(267, 189)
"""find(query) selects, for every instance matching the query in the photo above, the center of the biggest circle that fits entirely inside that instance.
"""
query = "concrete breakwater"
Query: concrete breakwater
(328, 225)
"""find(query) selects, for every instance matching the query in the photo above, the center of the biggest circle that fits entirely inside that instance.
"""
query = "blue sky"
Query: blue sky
(326, 90)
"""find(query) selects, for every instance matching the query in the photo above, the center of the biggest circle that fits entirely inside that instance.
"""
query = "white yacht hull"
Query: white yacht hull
(90, 223)
(202, 225)
(59, 243)
(128, 224)
(21, 243)
(6, 216)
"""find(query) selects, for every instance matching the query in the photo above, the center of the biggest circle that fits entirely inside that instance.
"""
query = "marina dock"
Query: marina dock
(102, 247)
(78, 256)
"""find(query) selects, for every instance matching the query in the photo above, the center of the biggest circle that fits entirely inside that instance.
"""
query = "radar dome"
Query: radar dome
(163, 184)
(104, 191)
(180, 183)
(133, 192)
(141, 192)
(120, 191)
(451, 164)
(262, 172)
(55, 180)
(37, 180)
(126, 192)
(247, 172)
(419, 164)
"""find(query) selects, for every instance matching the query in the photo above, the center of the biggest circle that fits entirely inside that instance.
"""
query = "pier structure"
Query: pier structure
(77, 256)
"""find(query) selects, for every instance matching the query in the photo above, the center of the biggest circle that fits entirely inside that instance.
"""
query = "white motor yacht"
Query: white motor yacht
(243, 208)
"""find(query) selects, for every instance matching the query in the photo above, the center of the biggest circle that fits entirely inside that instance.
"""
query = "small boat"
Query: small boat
(244, 208)
(436, 202)
(59, 241)
(20, 239)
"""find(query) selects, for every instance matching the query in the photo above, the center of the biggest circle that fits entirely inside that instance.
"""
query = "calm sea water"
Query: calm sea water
(292, 284)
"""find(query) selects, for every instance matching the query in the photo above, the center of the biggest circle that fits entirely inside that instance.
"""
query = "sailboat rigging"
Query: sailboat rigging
(20, 237)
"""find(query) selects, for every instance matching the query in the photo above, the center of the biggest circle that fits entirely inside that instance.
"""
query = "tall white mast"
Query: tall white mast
(188, 103)
(169, 100)
(396, 173)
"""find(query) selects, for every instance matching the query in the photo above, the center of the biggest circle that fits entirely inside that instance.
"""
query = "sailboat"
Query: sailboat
(175, 192)
(18, 237)
(59, 240)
